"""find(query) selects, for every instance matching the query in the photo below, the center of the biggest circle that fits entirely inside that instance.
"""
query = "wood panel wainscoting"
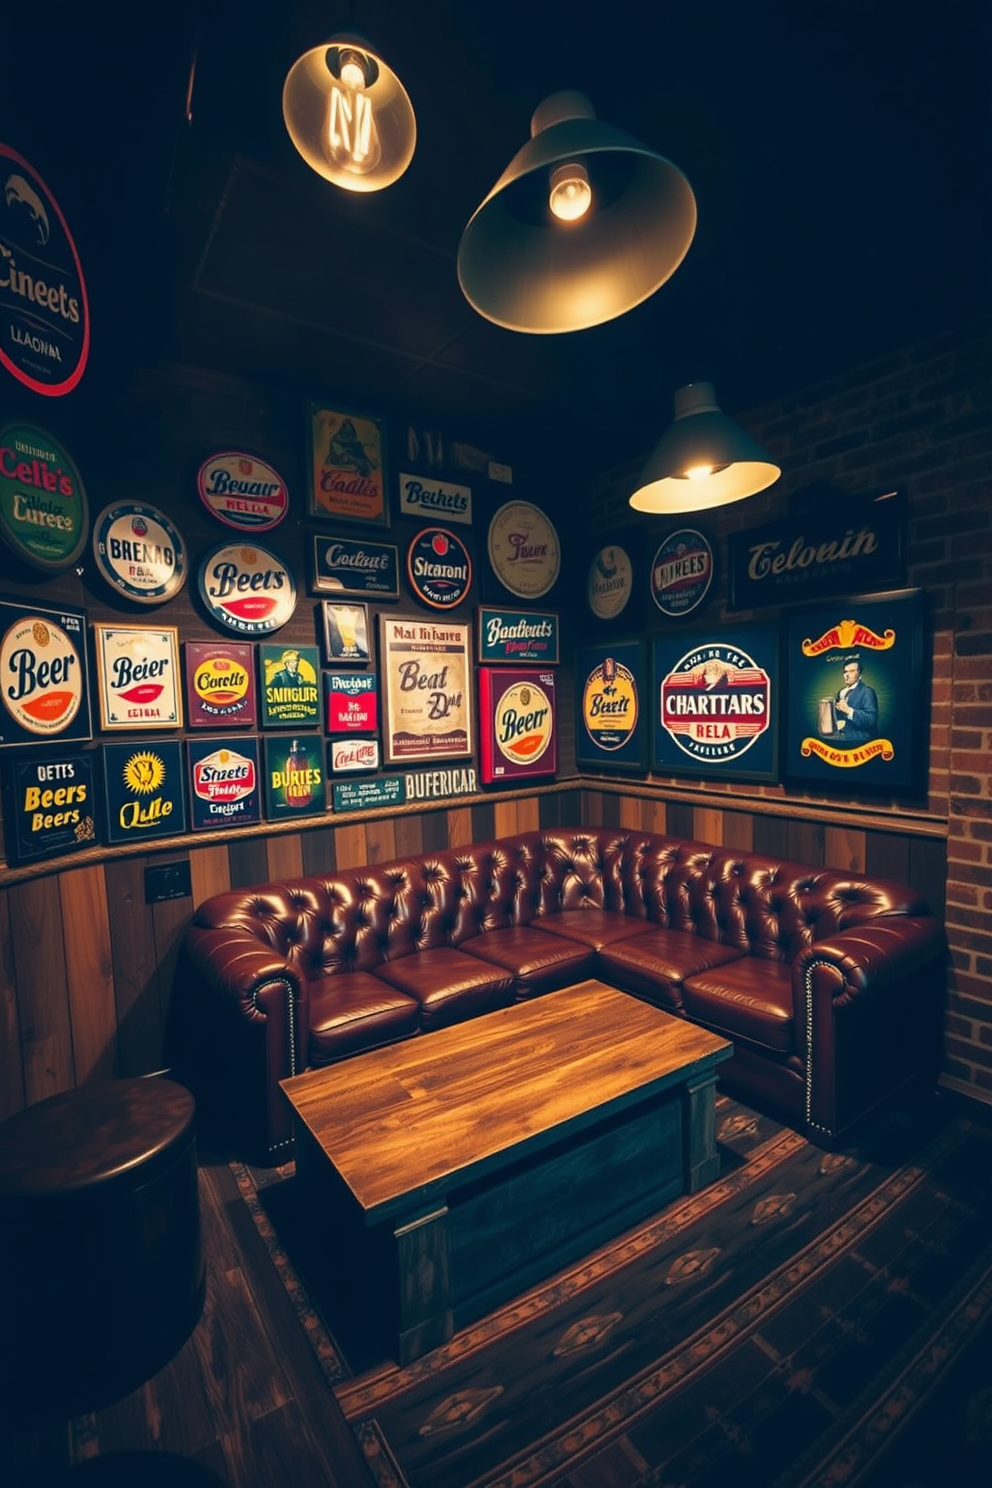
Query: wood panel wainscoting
(87, 965)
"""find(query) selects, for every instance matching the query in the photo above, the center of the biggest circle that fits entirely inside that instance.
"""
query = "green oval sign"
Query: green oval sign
(44, 515)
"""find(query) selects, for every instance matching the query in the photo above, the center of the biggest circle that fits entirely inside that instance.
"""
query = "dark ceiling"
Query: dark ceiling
(839, 153)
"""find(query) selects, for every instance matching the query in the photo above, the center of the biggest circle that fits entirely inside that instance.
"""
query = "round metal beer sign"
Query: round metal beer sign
(43, 676)
(139, 552)
(242, 491)
(524, 549)
(682, 572)
(44, 312)
(439, 568)
(44, 515)
(247, 588)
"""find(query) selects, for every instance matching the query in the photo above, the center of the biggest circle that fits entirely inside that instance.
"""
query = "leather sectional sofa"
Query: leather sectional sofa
(829, 984)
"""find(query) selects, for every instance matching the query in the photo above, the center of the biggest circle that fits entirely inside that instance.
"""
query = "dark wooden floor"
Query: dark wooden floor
(244, 1397)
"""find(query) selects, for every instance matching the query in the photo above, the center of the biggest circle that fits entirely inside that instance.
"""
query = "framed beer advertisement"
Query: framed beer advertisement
(138, 674)
(517, 724)
(143, 791)
(45, 697)
(346, 466)
(857, 716)
(347, 641)
(426, 668)
(48, 806)
(295, 778)
(715, 701)
(611, 707)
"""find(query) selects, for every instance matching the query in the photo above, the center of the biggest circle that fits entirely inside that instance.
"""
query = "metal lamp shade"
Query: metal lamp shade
(521, 268)
(307, 104)
(702, 437)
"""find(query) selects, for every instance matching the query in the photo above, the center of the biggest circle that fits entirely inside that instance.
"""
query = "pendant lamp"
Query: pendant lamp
(584, 224)
(704, 459)
(349, 115)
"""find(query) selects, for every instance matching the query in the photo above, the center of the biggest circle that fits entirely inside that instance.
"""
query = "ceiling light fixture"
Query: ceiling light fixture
(584, 224)
(702, 460)
(349, 115)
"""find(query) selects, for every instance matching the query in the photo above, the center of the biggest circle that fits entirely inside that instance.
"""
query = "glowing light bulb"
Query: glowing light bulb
(699, 472)
(571, 194)
(352, 138)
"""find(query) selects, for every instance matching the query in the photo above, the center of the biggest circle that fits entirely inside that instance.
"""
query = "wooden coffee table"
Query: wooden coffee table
(452, 1171)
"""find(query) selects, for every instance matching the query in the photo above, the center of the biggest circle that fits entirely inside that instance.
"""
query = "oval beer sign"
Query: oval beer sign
(439, 568)
(44, 312)
(44, 515)
(139, 552)
(247, 588)
(682, 572)
(610, 582)
(524, 550)
(242, 491)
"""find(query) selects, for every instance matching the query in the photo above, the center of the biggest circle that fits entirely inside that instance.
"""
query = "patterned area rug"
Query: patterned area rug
(808, 1319)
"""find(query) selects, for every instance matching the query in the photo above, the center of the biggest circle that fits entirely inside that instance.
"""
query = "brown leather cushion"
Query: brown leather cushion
(448, 985)
(655, 965)
(539, 963)
(355, 1011)
(749, 999)
(592, 927)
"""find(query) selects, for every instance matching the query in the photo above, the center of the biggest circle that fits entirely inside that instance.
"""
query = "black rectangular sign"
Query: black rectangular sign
(48, 807)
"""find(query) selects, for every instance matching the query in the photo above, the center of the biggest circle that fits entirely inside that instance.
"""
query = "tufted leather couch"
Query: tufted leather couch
(830, 985)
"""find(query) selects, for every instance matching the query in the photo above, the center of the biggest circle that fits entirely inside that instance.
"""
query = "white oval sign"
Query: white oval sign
(524, 549)
(139, 552)
(242, 491)
(247, 588)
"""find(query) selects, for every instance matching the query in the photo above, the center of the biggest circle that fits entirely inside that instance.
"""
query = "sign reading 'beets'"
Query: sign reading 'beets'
(247, 588)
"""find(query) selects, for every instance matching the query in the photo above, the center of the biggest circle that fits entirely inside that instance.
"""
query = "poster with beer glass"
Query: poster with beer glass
(857, 710)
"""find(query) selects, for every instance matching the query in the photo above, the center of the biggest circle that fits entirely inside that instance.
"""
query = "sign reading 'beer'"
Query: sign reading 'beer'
(138, 672)
(517, 724)
(247, 588)
(611, 729)
(43, 675)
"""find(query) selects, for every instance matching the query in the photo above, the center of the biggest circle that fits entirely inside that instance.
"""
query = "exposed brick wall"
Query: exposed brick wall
(920, 417)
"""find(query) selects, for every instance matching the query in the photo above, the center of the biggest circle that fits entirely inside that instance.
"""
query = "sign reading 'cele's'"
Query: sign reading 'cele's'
(44, 515)
(44, 313)
(247, 588)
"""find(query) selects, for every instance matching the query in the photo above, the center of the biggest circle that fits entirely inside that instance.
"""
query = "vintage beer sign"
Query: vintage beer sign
(517, 724)
(352, 703)
(48, 807)
(610, 724)
(524, 551)
(242, 491)
(681, 572)
(44, 311)
(426, 497)
(44, 683)
(366, 795)
(609, 582)
(440, 785)
(224, 782)
(517, 636)
(139, 552)
(44, 515)
(426, 674)
(347, 475)
(143, 791)
(352, 755)
(138, 673)
(716, 703)
(295, 782)
(290, 686)
(220, 684)
(367, 569)
(439, 568)
(247, 588)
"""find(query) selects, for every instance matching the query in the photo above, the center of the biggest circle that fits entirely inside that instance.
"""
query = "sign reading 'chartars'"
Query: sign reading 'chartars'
(715, 704)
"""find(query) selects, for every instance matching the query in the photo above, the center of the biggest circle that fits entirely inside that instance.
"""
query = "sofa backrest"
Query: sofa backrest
(353, 919)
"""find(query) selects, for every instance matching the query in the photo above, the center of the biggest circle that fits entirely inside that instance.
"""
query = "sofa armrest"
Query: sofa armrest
(868, 1011)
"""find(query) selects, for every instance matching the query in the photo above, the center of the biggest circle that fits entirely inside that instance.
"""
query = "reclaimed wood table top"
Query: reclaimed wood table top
(406, 1121)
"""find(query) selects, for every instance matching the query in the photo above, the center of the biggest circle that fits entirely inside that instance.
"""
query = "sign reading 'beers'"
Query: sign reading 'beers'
(43, 677)
(518, 724)
(247, 588)
(48, 807)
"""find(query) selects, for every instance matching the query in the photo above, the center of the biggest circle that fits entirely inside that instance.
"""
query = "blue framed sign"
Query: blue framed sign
(343, 566)
(48, 807)
(611, 716)
(715, 703)
(225, 786)
(143, 791)
(517, 637)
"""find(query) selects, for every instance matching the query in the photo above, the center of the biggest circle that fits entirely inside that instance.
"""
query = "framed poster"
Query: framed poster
(290, 677)
(347, 641)
(138, 674)
(295, 779)
(426, 668)
(715, 703)
(48, 808)
(515, 637)
(143, 791)
(224, 782)
(352, 703)
(611, 712)
(517, 724)
(856, 710)
(220, 684)
(46, 693)
(369, 569)
(346, 466)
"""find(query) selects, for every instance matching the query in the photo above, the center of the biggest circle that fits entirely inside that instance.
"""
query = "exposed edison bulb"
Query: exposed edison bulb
(571, 194)
(698, 472)
(352, 138)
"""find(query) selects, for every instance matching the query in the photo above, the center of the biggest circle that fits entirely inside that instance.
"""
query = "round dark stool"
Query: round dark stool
(101, 1266)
